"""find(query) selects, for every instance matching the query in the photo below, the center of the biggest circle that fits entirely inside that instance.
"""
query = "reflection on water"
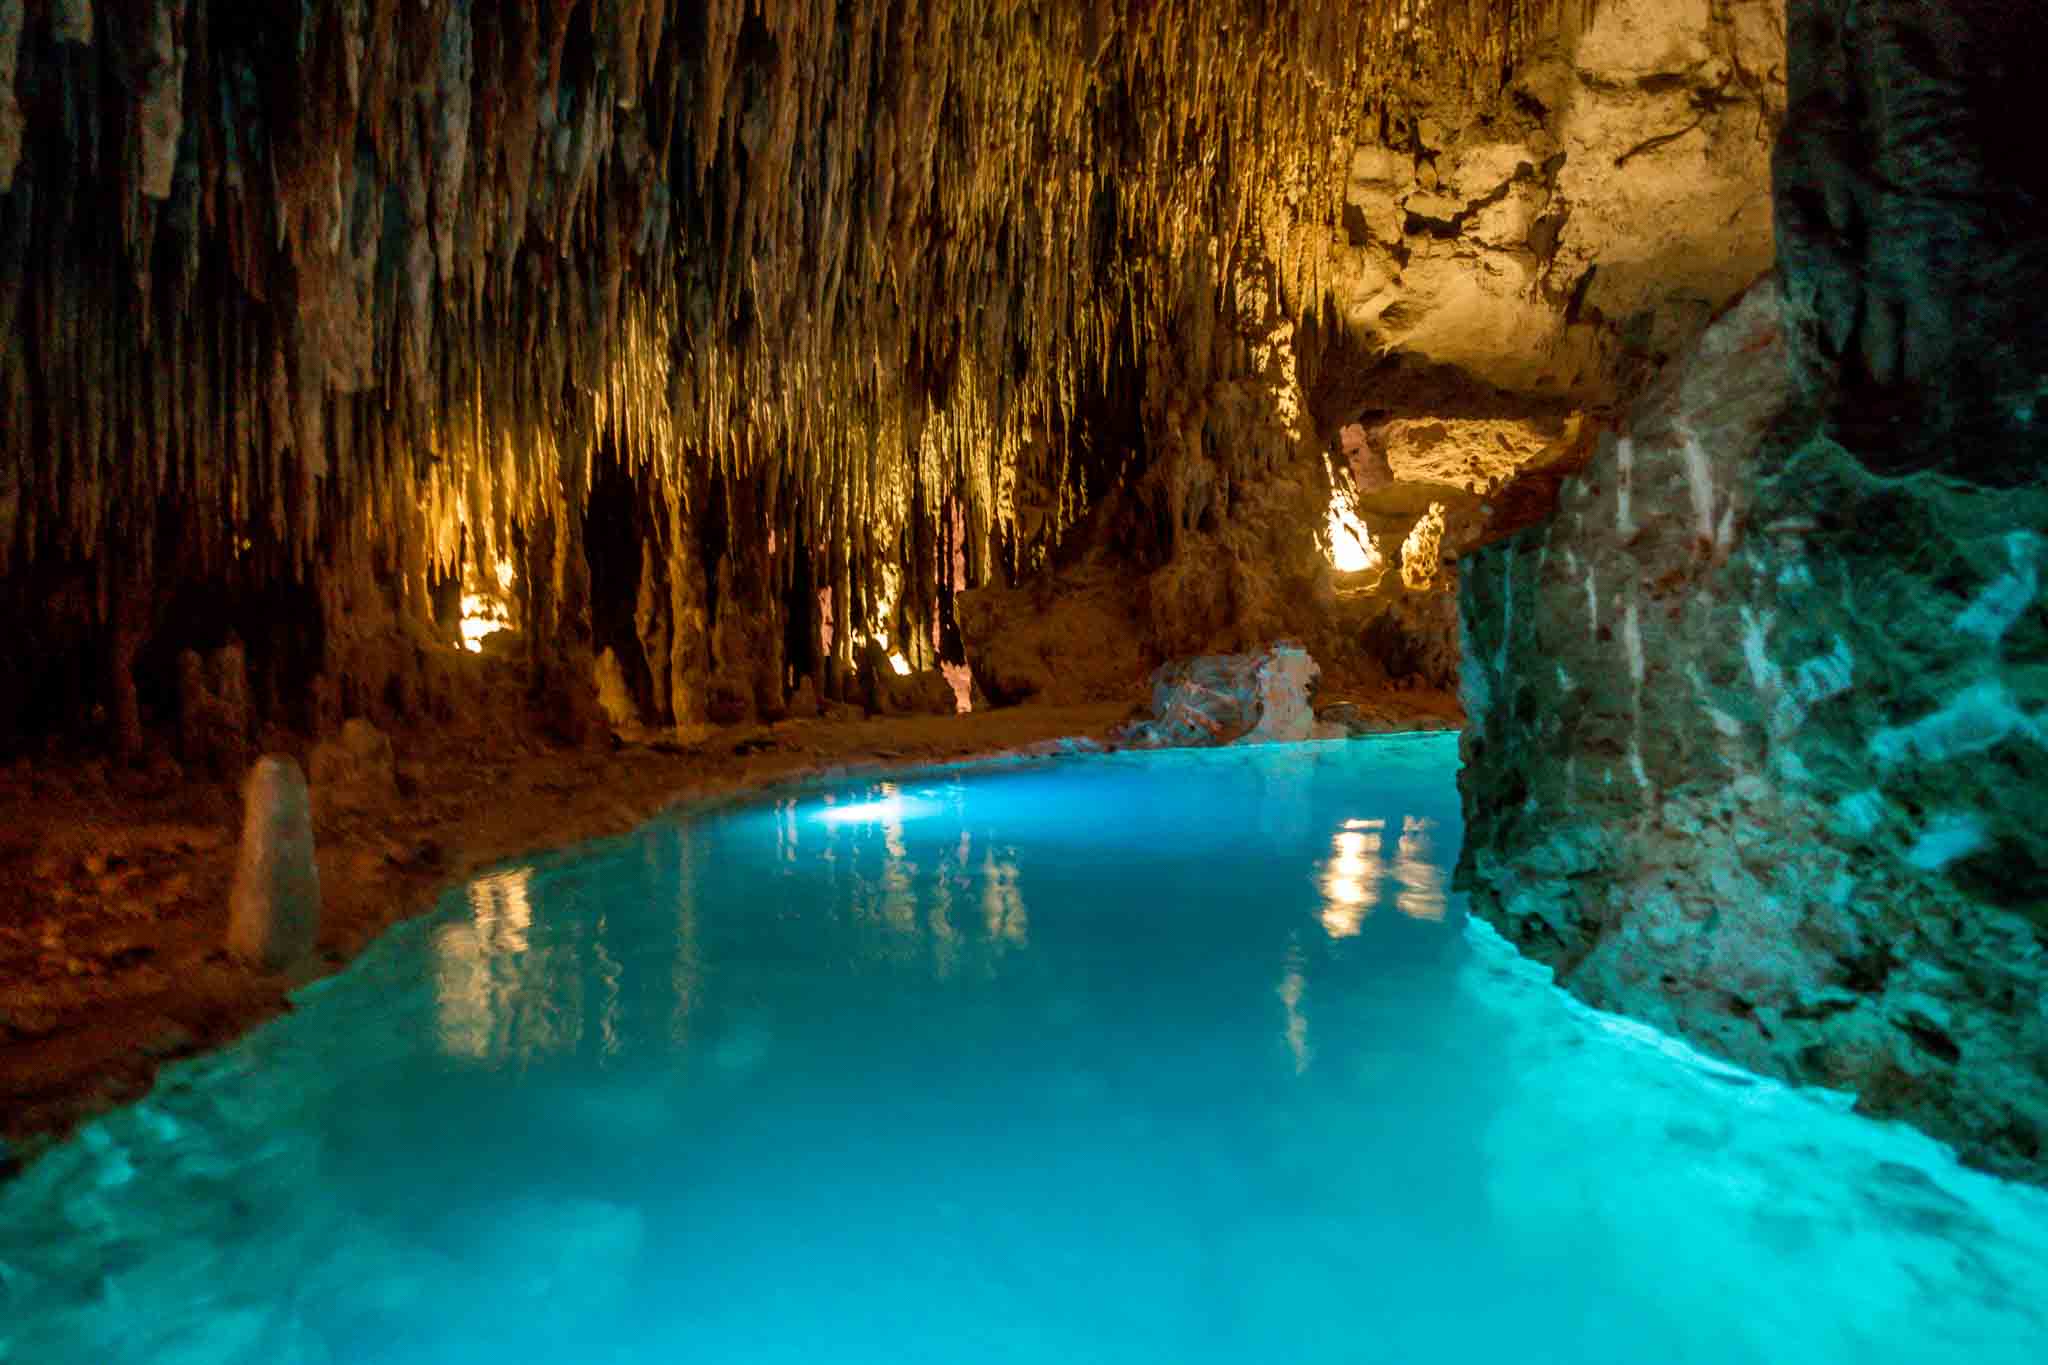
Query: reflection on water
(1354, 875)
(1351, 877)
(477, 983)
(1416, 871)
(1002, 900)
(1293, 986)
(508, 989)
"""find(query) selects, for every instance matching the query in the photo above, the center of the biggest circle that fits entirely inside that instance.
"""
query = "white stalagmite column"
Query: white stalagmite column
(274, 914)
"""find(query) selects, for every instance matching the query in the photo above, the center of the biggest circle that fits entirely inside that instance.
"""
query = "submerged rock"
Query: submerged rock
(274, 912)
(1262, 698)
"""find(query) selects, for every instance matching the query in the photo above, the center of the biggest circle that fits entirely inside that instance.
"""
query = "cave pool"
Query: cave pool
(1179, 1057)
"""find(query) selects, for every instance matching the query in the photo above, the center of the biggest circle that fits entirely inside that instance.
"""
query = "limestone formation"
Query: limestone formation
(1260, 698)
(1072, 639)
(274, 913)
(1909, 186)
(214, 721)
(1566, 233)
(764, 357)
(678, 323)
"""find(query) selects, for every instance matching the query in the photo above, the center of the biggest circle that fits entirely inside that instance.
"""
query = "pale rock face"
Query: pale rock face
(1286, 679)
(1258, 698)
(274, 912)
(1585, 225)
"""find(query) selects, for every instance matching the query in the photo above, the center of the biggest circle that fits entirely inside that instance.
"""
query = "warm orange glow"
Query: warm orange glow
(1347, 541)
(485, 612)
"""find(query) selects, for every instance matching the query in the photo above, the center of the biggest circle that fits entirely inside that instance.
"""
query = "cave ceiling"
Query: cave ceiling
(370, 270)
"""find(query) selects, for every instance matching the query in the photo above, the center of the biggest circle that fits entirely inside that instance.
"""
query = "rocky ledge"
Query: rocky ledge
(1757, 744)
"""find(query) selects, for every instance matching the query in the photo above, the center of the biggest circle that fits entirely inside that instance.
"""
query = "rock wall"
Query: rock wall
(1759, 725)
(1563, 234)
(310, 311)
(731, 337)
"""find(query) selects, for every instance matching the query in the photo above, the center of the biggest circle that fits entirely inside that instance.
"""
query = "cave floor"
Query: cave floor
(114, 883)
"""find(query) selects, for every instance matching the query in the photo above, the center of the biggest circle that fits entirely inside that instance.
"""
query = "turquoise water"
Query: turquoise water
(1182, 1057)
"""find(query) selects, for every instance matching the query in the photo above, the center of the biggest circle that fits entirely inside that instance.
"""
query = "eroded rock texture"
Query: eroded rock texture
(312, 309)
(728, 338)
(1262, 698)
(1759, 726)
(1568, 231)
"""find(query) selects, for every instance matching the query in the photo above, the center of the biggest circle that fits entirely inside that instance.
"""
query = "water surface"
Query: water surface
(1183, 1057)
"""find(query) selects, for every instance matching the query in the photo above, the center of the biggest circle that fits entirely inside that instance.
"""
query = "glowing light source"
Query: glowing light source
(961, 680)
(863, 812)
(485, 612)
(1348, 543)
(896, 660)
(889, 807)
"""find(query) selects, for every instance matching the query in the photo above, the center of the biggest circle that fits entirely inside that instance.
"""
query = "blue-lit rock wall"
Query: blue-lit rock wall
(1758, 744)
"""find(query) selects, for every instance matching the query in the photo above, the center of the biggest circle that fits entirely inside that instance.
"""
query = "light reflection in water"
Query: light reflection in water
(958, 904)
(476, 978)
(1421, 880)
(899, 900)
(1002, 904)
(1351, 878)
(1293, 986)
(687, 972)
(1354, 874)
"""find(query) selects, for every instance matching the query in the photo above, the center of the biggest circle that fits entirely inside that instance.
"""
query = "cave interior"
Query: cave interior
(1648, 387)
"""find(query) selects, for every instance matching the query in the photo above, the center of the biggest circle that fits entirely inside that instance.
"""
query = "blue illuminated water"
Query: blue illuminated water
(1174, 1058)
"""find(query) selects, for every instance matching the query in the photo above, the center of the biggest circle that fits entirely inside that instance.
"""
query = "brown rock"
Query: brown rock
(803, 703)
(213, 710)
(1075, 644)
(355, 771)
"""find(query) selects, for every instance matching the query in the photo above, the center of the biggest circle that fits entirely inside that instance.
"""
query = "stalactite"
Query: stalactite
(366, 278)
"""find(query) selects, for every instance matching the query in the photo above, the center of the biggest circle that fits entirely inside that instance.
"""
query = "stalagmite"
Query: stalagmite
(274, 915)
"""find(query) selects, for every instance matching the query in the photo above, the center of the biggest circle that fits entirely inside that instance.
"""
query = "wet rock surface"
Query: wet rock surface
(1757, 747)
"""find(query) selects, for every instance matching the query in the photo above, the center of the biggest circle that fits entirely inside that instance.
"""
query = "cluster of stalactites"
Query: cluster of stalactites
(386, 273)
